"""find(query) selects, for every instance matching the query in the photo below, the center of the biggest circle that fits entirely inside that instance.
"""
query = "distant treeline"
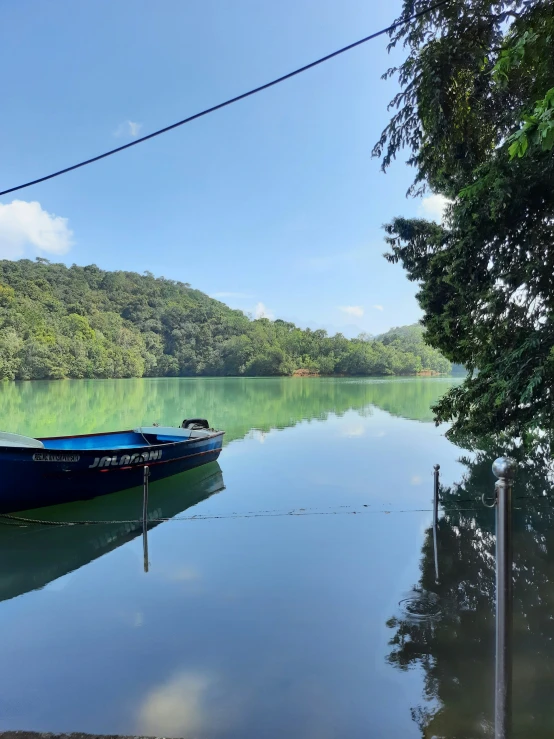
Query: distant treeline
(58, 322)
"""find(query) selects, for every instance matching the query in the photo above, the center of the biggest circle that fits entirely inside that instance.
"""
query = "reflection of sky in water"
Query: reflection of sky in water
(246, 624)
(177, 707)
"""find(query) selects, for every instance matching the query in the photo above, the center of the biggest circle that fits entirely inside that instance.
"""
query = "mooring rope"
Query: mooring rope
(22, 521)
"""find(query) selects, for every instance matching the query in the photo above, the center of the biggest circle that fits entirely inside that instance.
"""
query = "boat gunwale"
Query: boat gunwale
(107, 450)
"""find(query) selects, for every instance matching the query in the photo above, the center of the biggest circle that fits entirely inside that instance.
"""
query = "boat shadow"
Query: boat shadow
(54, 541)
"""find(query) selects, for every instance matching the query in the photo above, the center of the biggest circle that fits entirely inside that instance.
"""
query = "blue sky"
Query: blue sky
(273, 205)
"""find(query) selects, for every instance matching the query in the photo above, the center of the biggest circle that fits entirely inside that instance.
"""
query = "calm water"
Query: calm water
(293, 593)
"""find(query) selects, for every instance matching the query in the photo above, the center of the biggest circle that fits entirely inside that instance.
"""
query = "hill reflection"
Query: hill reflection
(236, 405)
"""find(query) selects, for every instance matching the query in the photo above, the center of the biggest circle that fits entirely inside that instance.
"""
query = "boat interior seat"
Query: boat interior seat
(163, 434)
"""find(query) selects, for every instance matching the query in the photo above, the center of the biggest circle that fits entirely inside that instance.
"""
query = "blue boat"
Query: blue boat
(61, 469)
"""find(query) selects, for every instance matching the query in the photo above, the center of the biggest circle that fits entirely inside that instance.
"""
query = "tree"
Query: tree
(10, 346)
(475, 111)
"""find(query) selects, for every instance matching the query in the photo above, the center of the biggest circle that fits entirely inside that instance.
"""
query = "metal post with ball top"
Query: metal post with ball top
(504, 469)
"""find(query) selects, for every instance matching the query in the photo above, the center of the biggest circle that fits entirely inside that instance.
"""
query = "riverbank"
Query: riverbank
(421, 373)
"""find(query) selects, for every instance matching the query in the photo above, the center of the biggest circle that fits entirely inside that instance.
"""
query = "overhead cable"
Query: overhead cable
(224, 104)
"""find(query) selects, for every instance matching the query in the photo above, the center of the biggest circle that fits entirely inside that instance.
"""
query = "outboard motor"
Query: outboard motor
(195, 424)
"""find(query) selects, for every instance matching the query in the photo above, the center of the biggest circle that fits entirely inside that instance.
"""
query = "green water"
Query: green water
(293, 591)
(44, 408)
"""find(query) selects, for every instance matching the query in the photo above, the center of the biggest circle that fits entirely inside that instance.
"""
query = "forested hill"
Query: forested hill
(58, 322)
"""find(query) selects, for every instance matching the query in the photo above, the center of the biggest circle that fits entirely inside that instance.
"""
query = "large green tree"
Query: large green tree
(476, 113)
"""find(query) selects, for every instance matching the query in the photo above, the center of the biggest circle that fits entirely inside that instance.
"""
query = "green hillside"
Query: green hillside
(58, 322)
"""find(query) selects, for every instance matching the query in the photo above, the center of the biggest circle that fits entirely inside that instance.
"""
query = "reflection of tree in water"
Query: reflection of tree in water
(447, 629)
(45, 408)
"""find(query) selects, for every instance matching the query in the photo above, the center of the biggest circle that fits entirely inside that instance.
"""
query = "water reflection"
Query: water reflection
(33, 556)
(30, 557)
(234, 404)
(451, 637)
(179, 707)
(250, 620)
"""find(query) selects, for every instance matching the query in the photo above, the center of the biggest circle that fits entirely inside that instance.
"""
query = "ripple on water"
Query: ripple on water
(420, 605)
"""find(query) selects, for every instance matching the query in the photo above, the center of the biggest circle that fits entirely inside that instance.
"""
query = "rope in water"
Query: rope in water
(22, 521)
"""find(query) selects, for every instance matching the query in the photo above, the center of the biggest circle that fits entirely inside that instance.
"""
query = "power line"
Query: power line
(230, 101)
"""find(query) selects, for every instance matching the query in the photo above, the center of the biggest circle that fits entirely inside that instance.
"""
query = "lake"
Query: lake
(292, 592)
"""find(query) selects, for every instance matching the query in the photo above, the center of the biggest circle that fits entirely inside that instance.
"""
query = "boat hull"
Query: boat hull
(33, 478)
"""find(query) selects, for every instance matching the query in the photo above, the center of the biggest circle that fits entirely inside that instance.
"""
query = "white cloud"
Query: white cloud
(434, 206)
(352, 310)
(128, 128)
(258, 434)
(191, 703)
(353, 429)
(225, 294)
(378, 307)
(24, 224)
(183, 573)
(175, 708)
(260, 311)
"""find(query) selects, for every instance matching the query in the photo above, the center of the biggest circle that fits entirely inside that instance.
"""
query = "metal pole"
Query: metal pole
(436, 495)
(504, 469)
(145, 516)
(436, 518)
